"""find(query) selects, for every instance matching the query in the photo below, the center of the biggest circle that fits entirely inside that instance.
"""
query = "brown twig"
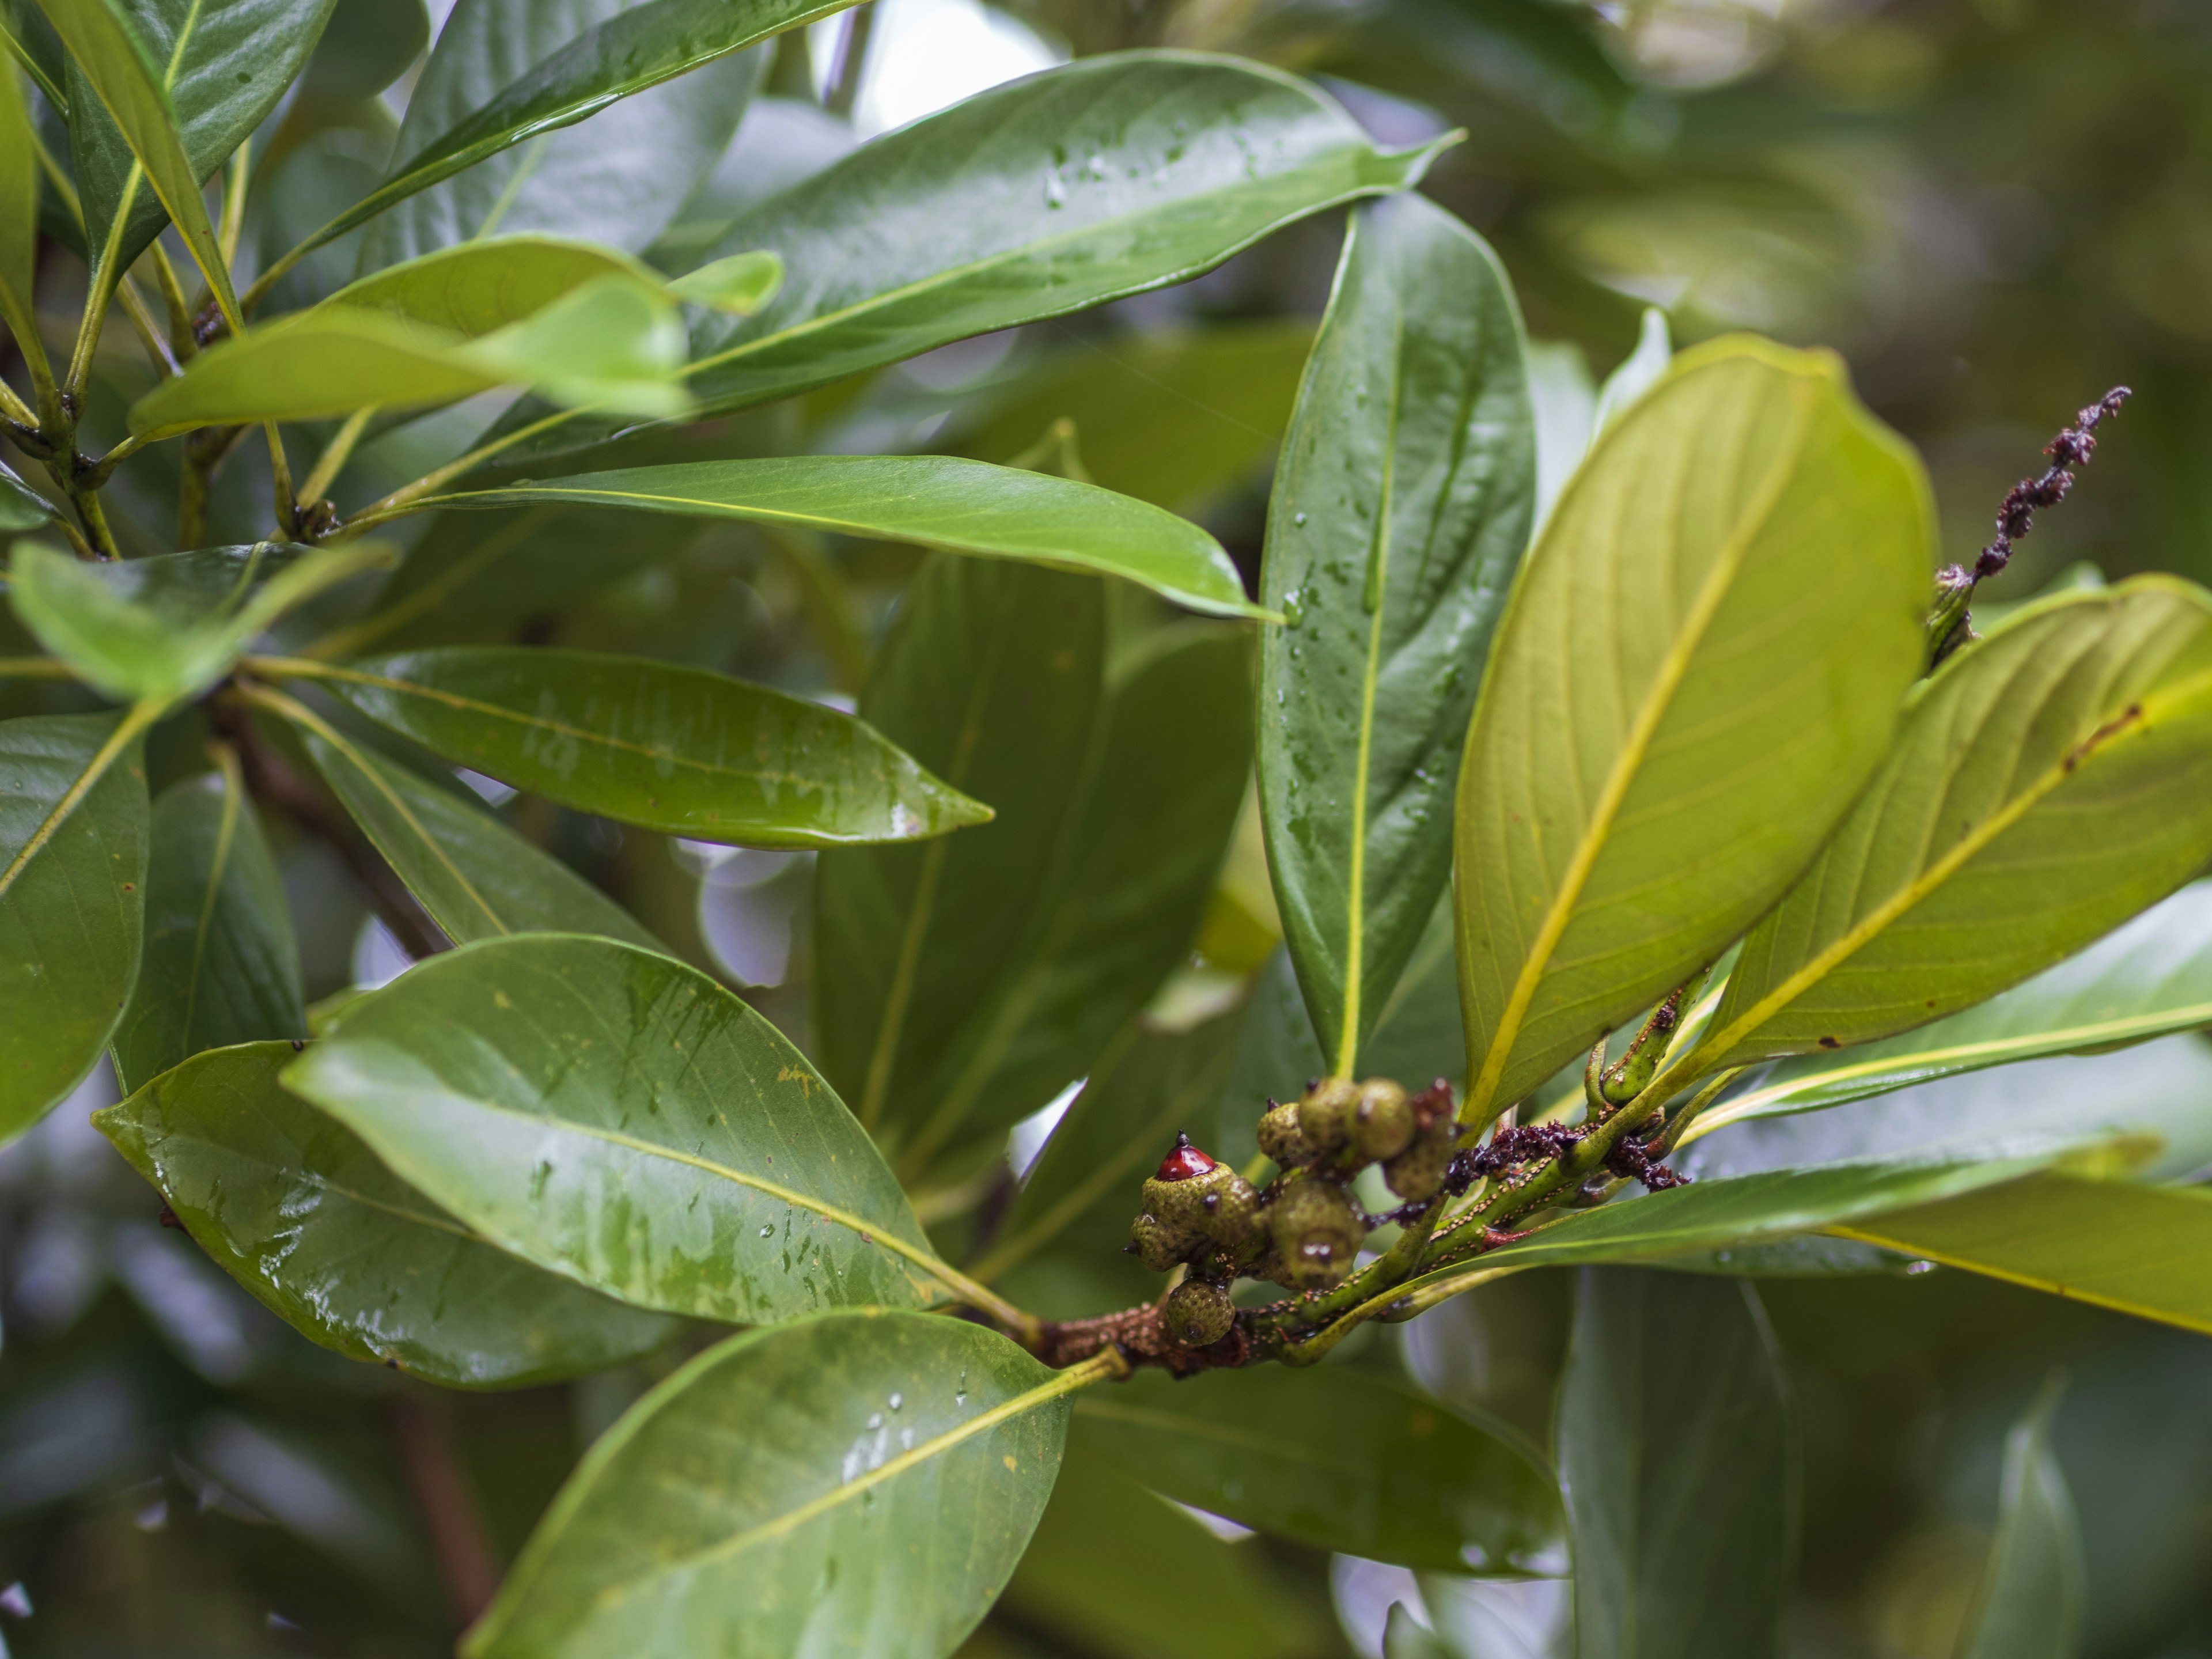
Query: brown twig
(271, 781)
(459, 1537)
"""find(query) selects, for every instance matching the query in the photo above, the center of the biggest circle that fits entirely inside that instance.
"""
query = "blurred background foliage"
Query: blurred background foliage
(1995, 209)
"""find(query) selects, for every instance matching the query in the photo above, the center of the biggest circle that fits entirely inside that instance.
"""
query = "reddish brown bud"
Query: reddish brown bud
(1185, 1163)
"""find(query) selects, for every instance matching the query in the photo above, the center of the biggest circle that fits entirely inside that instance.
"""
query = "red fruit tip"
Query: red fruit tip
(1185, 1163)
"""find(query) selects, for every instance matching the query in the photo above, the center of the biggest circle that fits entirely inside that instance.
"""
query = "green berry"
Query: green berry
(1419, 1171)
(1158, 1245)
(1280, 1138)
(1382, 1122)
(1198, 1315)
(1325, 1114)
(1317, 1232)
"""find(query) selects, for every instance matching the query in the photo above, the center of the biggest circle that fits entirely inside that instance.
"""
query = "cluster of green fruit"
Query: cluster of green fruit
(1305, 1230)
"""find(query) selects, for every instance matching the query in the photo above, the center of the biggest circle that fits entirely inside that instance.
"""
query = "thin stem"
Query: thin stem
(158, 351)
(34, 668)
(205, 451)
(287, 503)
(409, 498)
(89, 325)
(844, 87)
(1390, 1268)
(99, 539)
(14, 407)
(317, 484)
(97, 474)
(184, 338)
(234, 202)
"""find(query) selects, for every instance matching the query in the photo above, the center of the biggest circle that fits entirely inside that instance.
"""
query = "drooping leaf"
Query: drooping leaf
(22, 507)
(72, 887)
(515, 72)
(2142, 1250)
(681, 750)
(612, 341)
(221, 965)
(1124, 1575)
(19, 237)
(1641, 370)
(1699, 669)
(1675, 1452)
(365, 45)
(1334, 1458)
(860, 1482)
(481, 286)
(2032, 1600)
(932, 501)
(299, 1212)
(1045, 195)
(962, 985)
(2046, 784)
(613, 1115)
(141, 81)
(475, 877)
(1174, 417)
(1399, 512)
(739, 284)
(2158, 1090)
(171, 629)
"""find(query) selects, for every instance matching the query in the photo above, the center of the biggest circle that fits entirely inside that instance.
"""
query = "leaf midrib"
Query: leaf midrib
(1673, 667)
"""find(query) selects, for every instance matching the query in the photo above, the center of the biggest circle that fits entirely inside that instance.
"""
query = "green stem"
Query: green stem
(317, 484)
(1323, 1316)
(409, 498)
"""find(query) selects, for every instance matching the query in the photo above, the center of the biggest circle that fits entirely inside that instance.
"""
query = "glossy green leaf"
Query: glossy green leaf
(1041, 197)
(1334, 1458)
(1698, 670)
(1676, 1454)
(1115, 1571)
(475, 877)
(2141, 1251)
(299, 1211)
(170, 630)
(22, 507)
(960, 985)
(859, 1483)
(1715, 1214)
(2046, 784)
(614, 1116)
(2157, 1091)
(19, 229)
(2151, 978)
(72, 886)
(221, 965)
(365, 45)
(932, 501)
(694, 753)
(612, 341)
(481, 286)
(1399, 512)
(150, 72)
(740, 283)
(499, 86)
(2032, 1600)
(1174, 417)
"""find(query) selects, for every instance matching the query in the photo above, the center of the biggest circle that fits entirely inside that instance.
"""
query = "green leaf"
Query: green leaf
(299, 1211)
(2151, 978)
(681, 750)
(1116, 1571)
(221, 965)
(1641, 370)
(1675, 1452)
(1698, 670)
(19, 235)
(479, 287)
(2032, 1600)
(932, 501)
(614, 1116)
(613, 341)
(739, 284)
(2140, 1250)
(1046, 196)
(475, 877)
(365, 48)
(1405, 1637)
(22, 507)
(72, 881)
(161, 72)
(168, 632)
(1715, 1214)
(632, 50)
(1174, 417)
(1334, 1458)
(857, 1483)
(1399, 512)
(2046, 784)
(960, 985)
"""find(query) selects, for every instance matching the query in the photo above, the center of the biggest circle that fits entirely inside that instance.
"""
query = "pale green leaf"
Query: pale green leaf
(22, 507)
(478, 287)
(740, 283)
(1399, 512)
(2034, 1594)
(1699, 669)
(299, 1212)
(616, 1116)
(932, 501)
(1676, 1453)
(1641, 370)
(857, 1483)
